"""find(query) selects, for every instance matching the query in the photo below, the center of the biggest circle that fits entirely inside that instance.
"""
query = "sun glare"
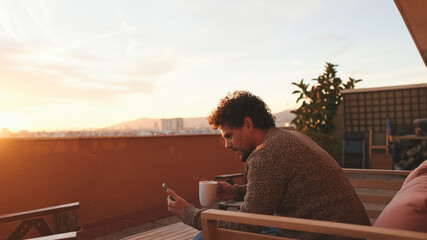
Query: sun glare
(9, 121)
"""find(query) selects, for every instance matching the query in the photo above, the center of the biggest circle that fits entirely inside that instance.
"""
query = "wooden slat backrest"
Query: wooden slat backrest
(374, 181)
(377, 184)
(373, 198)
(39, 212)
(211, 231)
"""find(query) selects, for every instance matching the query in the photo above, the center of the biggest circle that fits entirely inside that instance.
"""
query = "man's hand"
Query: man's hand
(176, 207)
(225, 191)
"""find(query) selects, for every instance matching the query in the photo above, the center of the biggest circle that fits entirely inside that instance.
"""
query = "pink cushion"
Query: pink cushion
(408, 209)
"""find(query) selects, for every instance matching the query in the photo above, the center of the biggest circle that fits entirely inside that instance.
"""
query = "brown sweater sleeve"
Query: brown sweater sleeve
(192, 217)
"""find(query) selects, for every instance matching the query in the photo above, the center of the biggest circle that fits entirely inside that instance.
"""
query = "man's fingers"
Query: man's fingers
(171, 204)
(176, 204)
(169, 192)
(172, 195)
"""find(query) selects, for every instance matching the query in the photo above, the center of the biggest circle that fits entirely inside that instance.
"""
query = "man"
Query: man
(288, 174)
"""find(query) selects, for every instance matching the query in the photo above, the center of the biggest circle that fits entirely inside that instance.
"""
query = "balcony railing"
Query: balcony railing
(116, 180)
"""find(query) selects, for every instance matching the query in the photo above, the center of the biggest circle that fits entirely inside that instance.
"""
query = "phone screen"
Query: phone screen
(165, 186)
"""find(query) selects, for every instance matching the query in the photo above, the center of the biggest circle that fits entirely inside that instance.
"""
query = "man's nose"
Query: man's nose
(228, 144)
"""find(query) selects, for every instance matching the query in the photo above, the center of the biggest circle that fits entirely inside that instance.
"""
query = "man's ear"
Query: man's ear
(247, 123)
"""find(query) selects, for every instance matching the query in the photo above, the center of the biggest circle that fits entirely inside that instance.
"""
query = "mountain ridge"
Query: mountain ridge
(153, 124)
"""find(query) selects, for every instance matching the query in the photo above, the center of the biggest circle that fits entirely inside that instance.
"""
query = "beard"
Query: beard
(244, 155)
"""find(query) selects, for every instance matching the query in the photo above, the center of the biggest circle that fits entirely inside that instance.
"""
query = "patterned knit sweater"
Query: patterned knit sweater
(290, 175)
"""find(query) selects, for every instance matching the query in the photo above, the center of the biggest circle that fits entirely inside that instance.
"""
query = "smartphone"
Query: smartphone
(166, 187)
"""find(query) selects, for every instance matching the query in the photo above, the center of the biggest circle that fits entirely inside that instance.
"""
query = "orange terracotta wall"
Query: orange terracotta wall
(116, 180)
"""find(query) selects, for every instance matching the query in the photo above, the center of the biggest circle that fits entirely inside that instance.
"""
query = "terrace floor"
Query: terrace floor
(170, 222)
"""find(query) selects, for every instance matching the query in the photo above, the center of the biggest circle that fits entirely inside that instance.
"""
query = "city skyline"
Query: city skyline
(139, 127)
(86, 65)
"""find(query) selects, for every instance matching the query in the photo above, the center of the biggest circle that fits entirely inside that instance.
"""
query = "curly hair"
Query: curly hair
(236, 106)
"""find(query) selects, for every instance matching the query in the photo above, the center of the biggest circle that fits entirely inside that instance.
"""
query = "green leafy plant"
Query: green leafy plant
(329, 143)
(320, 102)
(65, 222)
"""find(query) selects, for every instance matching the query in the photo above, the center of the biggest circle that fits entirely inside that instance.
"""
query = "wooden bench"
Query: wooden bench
(211, 231)
(34, 218)
(375, 189)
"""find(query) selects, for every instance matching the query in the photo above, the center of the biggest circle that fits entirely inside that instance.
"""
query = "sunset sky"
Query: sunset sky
(71, 65)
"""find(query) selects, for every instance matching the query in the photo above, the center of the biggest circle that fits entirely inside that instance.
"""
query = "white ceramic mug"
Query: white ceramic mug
(207, 193)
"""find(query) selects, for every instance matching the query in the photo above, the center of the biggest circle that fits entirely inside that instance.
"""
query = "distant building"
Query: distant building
(172, 125)
(5, 133)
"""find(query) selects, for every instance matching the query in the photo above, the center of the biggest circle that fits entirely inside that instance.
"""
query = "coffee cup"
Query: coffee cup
(207, 193)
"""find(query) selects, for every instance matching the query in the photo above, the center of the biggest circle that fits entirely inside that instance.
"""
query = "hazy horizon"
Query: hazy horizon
(279, 120)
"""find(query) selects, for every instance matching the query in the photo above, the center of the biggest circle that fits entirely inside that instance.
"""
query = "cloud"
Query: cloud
(71, 78)
(129, 29)
(91, 39)
(37, 10)
(7, 23)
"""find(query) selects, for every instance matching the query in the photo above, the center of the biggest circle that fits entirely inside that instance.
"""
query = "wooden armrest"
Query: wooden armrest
(68, 235)
(38, 212)
(377, 171)
(227, 176)
(211, 231)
